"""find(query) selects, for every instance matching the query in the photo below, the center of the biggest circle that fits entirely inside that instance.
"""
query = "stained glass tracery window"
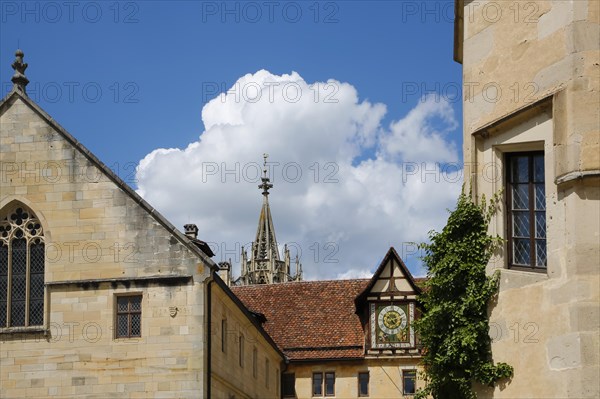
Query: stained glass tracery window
(21, 268)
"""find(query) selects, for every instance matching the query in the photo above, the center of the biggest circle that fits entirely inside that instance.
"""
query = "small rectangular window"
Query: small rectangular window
(129, 316)
(254, 362)
(329, 384)
(224, 335)
(317, 383)
(526, 210)
(363, 384)
(241, 351)
(409, 381)
(267, 372)
(289, 385)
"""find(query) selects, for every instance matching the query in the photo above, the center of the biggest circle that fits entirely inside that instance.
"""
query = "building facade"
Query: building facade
(100, 296)
(531, 132)
(344, 338)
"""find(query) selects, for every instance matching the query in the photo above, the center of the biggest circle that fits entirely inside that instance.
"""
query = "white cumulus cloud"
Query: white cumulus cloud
(334, 205)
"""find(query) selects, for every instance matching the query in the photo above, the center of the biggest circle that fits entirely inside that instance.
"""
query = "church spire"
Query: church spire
(266, 185)
(264, 266)
(265, 243)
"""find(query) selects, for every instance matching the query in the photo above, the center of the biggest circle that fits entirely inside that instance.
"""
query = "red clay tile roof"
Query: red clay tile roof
(310, 319)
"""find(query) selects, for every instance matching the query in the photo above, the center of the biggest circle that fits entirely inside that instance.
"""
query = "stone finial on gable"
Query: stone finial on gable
(19, 79)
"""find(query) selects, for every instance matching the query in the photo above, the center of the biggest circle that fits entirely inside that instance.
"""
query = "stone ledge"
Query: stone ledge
(36, 330)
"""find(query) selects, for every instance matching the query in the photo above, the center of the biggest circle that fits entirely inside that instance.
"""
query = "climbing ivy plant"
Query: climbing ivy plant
(454, 326)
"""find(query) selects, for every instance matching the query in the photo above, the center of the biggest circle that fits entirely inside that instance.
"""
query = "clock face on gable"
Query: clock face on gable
(391, 325)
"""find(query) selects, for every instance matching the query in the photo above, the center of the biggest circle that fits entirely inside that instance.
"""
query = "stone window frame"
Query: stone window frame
(332, 375)
(360, 393)
(241, 348)
(19, 222)
(531, 128)
(255, 361)
(267, 366)
(129, 314)
(319, 386)
(501, 219)
(289, 382)
(224, 335)
(323, 383)
(413, 373)
(531, 182)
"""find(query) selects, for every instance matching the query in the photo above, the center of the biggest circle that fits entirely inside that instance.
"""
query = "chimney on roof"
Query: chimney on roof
(225, 272)
(191, 230)
(19, 79)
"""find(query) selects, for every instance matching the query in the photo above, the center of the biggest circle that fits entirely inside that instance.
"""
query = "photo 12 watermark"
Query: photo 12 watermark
(54, 12)
(518, 332)
(455, 92)
(252, 172)
(315, 251)
(254, 92)
(91, 251)
(81, 92)
(253, 12)
(489, 11)
(67, 171)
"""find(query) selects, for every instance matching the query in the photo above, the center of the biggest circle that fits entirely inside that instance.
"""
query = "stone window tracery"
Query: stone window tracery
(22, 254)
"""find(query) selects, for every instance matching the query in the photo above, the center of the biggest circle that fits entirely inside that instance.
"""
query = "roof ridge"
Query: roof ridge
(257, 286)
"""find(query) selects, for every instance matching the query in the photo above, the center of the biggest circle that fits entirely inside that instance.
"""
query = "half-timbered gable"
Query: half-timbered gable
(388, 307)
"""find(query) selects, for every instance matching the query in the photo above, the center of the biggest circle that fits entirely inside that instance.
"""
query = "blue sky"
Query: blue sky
(128, 78)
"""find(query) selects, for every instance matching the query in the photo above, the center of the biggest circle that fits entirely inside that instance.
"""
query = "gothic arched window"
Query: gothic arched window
(21, 268)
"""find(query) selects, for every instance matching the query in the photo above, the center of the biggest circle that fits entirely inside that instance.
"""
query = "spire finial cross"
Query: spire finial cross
(266, 185)
(19, 79)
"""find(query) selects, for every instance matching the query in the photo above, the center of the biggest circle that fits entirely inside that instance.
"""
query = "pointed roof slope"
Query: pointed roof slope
(265, 243)
(18, 93)
(310, 320)
(390, 255)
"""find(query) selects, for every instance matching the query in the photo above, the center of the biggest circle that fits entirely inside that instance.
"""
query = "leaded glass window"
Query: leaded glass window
(526, 204)
(129, 316)
(22, 254)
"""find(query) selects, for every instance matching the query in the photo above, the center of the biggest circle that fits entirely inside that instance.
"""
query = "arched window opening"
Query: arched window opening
(21, 268)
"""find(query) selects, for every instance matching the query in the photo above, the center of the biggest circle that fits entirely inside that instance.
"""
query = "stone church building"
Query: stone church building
(100, 296)
(531, 76)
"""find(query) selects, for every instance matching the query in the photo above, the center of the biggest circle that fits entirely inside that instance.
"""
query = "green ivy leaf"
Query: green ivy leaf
(454, 327)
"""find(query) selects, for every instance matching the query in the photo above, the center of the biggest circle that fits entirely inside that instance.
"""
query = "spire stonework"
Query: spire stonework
(264, 265)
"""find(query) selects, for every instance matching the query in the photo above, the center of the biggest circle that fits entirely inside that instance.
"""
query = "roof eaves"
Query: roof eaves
(251, 315)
